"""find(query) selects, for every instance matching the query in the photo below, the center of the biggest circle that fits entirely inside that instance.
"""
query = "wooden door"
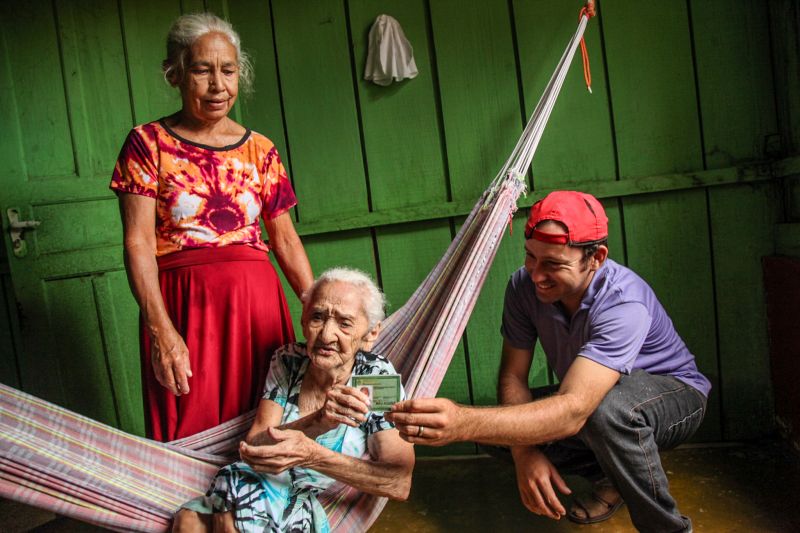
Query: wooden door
(66, 107)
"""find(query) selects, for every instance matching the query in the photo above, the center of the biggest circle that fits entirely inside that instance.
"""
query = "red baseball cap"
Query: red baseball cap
(581, 213)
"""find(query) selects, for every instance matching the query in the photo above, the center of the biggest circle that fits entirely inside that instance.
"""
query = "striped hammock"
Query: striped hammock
(73, 466)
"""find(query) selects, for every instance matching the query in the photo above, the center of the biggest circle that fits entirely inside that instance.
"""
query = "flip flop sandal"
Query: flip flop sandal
(610, 509)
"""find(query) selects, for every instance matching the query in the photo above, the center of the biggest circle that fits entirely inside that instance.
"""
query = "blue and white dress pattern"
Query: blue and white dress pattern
(287, 502)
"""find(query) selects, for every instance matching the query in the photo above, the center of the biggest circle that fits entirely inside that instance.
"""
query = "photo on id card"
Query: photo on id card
(383, 390)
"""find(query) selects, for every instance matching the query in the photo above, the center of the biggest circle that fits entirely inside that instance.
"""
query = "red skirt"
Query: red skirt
(228, 305)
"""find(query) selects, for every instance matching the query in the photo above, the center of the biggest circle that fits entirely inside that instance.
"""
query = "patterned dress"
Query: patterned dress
(288, 501)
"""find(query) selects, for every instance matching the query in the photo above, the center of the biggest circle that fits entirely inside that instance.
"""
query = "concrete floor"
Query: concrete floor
(730, 488)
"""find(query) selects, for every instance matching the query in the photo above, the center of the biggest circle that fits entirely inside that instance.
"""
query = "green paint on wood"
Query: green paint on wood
(478, 88)
(405, 168)
(41, 124)
(95, 78)
(741, 238)
(737, 99)
(668, 246)
(72, 316)
(652, 87)
(261, 111)
(320, 110)
(61, 234)
(146, 25)
(606, 188)
(119, 328)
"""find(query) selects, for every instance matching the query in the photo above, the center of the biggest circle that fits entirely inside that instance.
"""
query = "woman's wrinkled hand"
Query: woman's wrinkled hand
(292, 448)
(343, 405)
(170, 358)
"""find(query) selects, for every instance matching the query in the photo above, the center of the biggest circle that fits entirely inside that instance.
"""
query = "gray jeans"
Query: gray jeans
(640, 415)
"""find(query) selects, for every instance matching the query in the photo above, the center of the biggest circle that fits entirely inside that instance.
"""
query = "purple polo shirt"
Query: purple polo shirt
(620, 324)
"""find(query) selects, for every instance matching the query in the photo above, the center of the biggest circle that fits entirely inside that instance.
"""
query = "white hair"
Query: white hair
(182, 35)
(373, 301)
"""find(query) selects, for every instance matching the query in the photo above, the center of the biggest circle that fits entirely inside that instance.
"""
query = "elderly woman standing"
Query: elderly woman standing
(311, 428)
(191, 188)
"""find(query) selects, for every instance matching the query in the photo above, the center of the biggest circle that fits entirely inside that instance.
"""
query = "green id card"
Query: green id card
(383, 389)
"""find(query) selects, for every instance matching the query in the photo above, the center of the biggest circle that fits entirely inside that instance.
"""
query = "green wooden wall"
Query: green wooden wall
(685, 138)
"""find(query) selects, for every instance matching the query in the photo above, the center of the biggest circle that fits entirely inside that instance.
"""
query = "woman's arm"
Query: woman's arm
(289, 252)
(168, 351)
(387, 473)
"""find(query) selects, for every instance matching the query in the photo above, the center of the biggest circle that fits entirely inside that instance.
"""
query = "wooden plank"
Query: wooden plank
(600, 189)
(261, 110)
(577, 145)
(146, 24)
(72, 312)
(652, 87)
(741, 237)
(95, 79)
(668, 245)
(478, 86)
(402, 131)
(407, 253)
(737, 97)
(40, 122)
(61, 234)
(320, 109)
(118, 315)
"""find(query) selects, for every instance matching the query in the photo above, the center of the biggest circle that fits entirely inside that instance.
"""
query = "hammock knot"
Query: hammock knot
(589, 9)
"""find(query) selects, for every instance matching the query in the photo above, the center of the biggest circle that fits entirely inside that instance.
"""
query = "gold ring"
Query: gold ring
(419, 432)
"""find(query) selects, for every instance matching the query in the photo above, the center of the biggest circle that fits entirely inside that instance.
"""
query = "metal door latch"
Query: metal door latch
(17, 228)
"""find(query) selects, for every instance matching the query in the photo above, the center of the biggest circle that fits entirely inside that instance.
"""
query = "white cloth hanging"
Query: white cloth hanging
(390, 56)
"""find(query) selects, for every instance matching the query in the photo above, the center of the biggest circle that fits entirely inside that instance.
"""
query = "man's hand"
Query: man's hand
(170, 358)
(429, 421)
(292, 448)
(343, 405)
(536, 476)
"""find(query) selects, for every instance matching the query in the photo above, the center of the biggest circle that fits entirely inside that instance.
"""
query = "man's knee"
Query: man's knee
(613, 415)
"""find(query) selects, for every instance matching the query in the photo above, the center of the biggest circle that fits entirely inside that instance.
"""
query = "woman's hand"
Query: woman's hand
(536, 476)
(343, 405)
(292, 448)
(170, 358)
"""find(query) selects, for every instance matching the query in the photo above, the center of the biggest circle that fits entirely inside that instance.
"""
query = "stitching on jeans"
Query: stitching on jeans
(654, 398)
(649, 464)
(684, 419)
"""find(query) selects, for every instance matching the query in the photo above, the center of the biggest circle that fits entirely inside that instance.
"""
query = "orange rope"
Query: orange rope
(589, 11)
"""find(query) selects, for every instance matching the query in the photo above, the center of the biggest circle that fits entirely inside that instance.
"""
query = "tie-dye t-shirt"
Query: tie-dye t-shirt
(205, 196)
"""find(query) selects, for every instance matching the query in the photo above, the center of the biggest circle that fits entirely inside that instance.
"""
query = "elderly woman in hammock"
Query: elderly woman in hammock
(311, 428)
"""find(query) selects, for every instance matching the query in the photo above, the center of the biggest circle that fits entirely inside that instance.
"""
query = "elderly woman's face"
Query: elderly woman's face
(335, 325)
(211, 83)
